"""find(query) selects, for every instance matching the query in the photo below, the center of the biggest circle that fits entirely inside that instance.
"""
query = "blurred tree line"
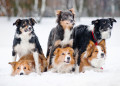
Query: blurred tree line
(47, 8)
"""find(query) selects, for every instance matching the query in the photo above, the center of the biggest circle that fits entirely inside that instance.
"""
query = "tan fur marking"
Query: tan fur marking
(57, 43)
(72, 10)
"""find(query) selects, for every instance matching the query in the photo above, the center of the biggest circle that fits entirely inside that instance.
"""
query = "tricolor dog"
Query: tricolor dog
(26, 42)
(82, 34)
(61, 35)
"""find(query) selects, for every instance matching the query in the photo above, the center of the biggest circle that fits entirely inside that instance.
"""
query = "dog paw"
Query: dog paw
(98, 70)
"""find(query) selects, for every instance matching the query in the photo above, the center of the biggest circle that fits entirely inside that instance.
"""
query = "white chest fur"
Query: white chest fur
(67, 35)
(24, 47)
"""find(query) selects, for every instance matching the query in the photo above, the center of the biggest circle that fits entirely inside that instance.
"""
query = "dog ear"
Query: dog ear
(103, 44)
(95, 22)
(56, 51)
(72, 10)
(12, 64)
(58, 13)
(17, 22)
(32, 21)
(112, 20)
(89, 48)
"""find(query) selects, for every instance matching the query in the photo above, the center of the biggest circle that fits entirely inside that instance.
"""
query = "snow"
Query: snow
(109, 77)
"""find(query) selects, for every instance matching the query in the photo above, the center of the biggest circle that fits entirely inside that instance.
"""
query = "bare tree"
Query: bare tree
(20, 12)
(78, 6)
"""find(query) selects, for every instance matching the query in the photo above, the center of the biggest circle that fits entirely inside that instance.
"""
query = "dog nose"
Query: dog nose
(102, 54)
(68, 58)
(30, 28)
(71, 21)
(21, 73)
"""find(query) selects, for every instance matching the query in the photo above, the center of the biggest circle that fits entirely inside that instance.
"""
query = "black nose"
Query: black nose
(102, 54)
(30, 28)
(71, 21)
(21, 74)
(68, 58)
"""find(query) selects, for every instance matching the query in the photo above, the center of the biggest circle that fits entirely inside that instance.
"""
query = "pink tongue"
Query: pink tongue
(101, 68)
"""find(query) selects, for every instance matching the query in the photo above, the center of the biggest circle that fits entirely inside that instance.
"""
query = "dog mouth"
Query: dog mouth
(68, 61)
(28, 30)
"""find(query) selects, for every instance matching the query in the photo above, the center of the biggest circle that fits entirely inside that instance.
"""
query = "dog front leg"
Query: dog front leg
(36, 59)
(14, 56)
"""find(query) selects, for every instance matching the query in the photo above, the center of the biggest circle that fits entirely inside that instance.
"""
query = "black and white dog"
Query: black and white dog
(82, 34)
(25, 41)
(61, 35)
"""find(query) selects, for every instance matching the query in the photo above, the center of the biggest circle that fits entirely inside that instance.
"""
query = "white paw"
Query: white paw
(98, 70)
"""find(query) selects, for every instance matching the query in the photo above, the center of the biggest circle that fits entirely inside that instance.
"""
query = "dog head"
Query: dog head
(103, 28)
(64, 55)
(96, 54)
(66, 19)
(23, 67)
(25, 25)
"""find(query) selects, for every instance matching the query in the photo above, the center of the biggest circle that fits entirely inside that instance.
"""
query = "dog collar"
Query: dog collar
(94, 38)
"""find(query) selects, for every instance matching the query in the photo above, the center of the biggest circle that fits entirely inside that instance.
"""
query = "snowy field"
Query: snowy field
(109, 77)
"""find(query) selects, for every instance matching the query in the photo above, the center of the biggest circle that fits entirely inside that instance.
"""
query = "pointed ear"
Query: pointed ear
(12, 64)
(17, 22)
(112, 20)
(95, 21)
(32, 21)
(89, 49)
(90, 45)
(56, 51)
(72, 10)
(58, 12)
(103, 44)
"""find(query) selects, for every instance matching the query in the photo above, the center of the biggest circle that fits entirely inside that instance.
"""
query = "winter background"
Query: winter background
(86, 11)
(109, 77)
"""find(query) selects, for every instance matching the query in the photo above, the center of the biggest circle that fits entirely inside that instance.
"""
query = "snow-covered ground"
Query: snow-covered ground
(109, 77)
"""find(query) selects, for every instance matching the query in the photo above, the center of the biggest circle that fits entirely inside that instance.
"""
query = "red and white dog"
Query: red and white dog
(26, 65)
(63, 61)
(93, 57)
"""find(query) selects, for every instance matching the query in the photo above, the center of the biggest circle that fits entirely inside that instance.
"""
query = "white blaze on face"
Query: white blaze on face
(99, 60)
(22, 70)
(66, 59)
(99, 52)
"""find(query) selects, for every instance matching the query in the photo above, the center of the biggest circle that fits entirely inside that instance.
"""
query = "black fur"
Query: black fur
(33, 40)
(82, 35)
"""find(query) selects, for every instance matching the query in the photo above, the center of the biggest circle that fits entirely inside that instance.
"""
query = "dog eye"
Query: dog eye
(18, 68)
(24, 67)
(63, 54)
(104, 22)
(96, 51)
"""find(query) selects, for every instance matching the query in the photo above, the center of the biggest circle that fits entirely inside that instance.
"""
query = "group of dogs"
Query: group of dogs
(70, 49)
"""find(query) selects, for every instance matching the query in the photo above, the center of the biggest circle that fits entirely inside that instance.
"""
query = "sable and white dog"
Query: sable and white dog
(26, 42)
(63, 61)
(94, 57)
(26, 65)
